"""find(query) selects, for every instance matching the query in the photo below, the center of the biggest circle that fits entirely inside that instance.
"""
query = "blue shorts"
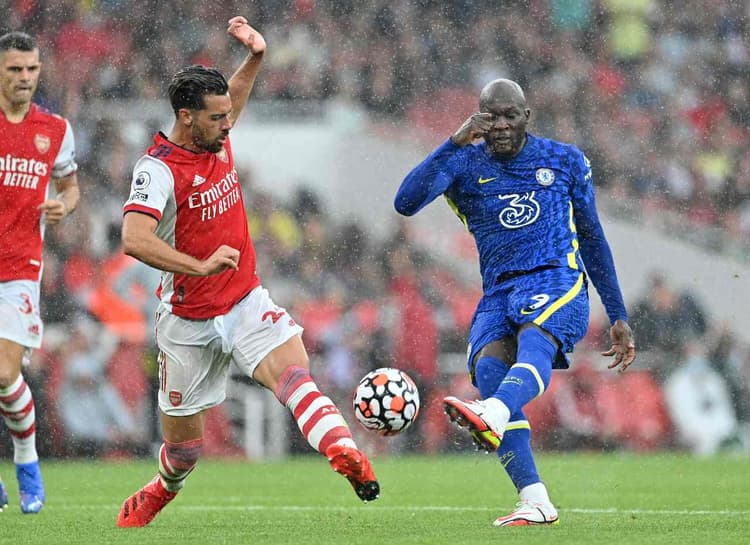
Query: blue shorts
(556, 299)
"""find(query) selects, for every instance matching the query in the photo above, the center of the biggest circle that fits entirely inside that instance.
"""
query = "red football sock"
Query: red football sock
(317, 416)
(17, 409)
(176, 461)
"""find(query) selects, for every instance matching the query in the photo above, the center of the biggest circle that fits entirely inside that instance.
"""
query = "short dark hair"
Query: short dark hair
(17, 40)
(191, 84)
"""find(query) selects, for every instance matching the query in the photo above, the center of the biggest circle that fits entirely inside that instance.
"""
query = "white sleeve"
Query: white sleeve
(151, 187)
(65, 162)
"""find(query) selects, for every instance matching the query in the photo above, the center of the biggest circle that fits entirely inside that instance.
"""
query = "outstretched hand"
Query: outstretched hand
(241, 30)
(623, 346)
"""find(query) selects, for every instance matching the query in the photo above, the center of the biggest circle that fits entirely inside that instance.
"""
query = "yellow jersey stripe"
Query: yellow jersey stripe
(572, 292)
(570, 218)
(461, 216)
(572, 262)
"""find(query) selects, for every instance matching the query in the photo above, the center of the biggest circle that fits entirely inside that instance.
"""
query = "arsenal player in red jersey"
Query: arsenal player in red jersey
(186, 216)
(35, 146)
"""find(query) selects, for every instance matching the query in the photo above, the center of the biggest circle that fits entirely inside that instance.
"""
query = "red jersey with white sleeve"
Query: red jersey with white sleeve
(197, 200)
(31, 152)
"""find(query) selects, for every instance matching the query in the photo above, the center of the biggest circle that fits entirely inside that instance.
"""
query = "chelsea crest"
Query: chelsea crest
(545, 176)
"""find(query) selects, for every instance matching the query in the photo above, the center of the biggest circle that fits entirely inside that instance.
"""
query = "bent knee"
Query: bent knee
(291, 354)
(8, 376)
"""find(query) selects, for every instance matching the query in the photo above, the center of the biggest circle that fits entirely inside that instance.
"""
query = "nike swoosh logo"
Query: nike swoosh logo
(485, 180)
(527, 312)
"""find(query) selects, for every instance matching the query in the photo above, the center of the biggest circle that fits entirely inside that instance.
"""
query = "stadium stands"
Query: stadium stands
(659, 98)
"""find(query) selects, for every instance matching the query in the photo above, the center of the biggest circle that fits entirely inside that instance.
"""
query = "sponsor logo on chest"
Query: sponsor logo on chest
(22, 172)
(215, 199)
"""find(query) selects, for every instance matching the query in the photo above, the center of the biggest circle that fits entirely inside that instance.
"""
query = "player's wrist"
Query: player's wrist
(458, 140)
(67, 208)
(200, 269)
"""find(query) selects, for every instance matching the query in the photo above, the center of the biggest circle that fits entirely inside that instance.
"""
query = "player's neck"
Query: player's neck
(184, 140)
(14, 113)
(520, 148)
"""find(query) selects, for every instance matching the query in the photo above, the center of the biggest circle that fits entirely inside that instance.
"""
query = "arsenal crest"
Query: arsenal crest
(175, 397)
(42, 143)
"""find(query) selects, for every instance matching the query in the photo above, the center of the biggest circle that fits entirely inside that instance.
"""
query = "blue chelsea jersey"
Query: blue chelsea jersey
(536, 209)
(521, 211)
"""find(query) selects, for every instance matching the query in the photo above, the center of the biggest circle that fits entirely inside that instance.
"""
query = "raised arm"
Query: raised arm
(242, 81)
(428, 180)
(432, 177)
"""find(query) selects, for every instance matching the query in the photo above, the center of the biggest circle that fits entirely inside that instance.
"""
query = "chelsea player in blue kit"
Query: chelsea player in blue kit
(529, 202)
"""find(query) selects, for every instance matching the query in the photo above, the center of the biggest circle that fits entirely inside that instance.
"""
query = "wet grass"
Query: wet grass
(611, 499)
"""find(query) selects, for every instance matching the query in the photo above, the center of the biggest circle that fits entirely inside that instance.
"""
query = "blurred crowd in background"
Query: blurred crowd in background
(657, 95)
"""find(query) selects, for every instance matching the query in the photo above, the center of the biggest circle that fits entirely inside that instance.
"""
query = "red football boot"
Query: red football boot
(141, 508)
(354, 465)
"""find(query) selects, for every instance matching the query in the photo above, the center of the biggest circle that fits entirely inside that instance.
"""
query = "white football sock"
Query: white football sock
(499, 414)
(536, 492)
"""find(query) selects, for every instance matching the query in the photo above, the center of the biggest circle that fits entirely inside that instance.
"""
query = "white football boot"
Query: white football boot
(484, 422)
(529, 513)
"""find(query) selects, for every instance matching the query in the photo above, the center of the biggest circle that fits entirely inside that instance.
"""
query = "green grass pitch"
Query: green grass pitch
(602, 499)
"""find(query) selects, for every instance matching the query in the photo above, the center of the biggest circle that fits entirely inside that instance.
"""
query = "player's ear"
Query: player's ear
(527, 113)
(185, 117)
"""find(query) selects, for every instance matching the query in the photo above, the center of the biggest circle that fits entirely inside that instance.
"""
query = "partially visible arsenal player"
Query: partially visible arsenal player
(36, 146)
(186, 216)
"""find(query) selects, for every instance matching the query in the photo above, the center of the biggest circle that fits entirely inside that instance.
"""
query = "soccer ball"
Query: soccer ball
(386, 401)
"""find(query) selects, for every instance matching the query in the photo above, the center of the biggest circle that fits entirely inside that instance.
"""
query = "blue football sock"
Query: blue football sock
(515, 452)
(488, 374)
(530, 375)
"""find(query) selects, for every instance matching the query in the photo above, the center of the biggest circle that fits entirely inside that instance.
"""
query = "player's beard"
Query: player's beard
(22, 98)
(18, 98)
(211, 146)
(508, 148)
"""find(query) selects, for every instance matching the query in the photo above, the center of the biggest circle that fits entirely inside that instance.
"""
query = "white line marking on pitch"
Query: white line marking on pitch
(606, 511)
